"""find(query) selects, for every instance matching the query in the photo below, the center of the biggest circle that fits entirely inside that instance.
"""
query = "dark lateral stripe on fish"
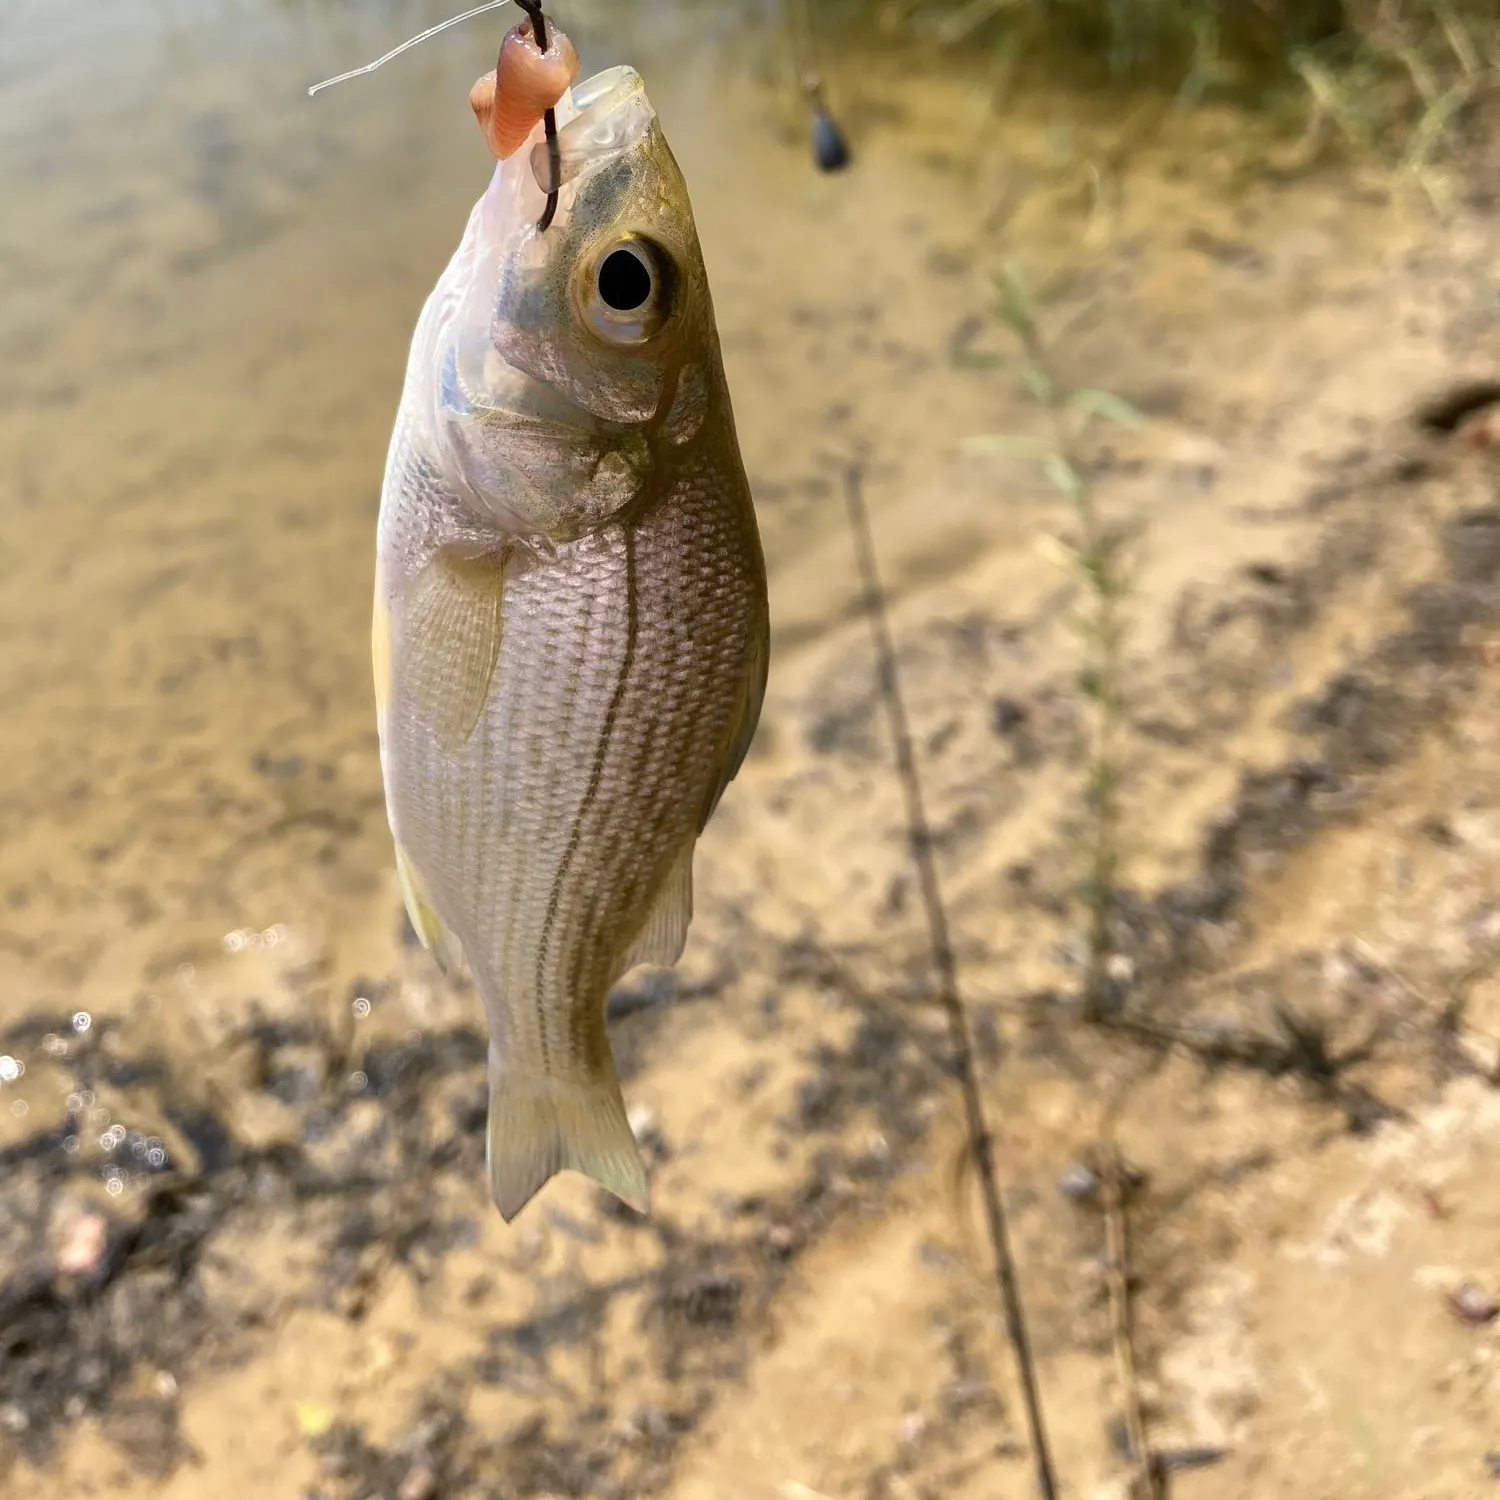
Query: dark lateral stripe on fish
(591, 793)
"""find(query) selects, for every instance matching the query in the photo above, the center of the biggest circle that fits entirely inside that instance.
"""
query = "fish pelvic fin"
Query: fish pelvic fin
(539, 1127)
(426, 923)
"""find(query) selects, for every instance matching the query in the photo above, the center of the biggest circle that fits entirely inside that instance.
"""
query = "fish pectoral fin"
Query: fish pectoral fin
(663, 935)
(450, 641)
(539, 1127)
(426, 923)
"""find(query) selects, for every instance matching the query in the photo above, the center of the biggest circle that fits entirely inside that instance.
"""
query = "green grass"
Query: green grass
(1403, 81)
(1231, 41)
(1097, 559)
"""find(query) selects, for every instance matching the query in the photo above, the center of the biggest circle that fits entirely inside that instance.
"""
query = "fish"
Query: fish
(571, 626)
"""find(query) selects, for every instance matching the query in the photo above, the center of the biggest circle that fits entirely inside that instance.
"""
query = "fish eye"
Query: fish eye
(624, 281)
(629, 291)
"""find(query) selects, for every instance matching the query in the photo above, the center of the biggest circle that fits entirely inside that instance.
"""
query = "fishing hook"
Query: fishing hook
(533, 8)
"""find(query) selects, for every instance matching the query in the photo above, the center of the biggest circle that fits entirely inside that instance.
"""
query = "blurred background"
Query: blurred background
(1166, 337)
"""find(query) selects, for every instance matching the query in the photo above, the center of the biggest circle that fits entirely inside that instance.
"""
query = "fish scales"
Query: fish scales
(591, 753)
(570, 632)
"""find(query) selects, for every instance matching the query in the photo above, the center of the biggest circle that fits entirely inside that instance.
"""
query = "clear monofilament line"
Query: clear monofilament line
(408, 44)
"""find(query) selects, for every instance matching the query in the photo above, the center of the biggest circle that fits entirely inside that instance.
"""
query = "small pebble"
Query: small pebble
(420, 1484)
(650, 1422)
(1175, 1459)
(83, 1245)
(783, 1239)
(1079, 1183)
(1472, 1304)
(937, 1257)
(642, 1121)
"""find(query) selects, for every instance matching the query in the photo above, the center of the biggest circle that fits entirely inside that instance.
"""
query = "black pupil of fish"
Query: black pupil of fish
(624, 281)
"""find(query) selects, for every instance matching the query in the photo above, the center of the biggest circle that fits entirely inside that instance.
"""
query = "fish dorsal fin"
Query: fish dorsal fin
(450, 641)
(426, 923)
(663, 935)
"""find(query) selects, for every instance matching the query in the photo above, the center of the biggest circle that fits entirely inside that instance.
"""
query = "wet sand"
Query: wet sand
(250, 1114)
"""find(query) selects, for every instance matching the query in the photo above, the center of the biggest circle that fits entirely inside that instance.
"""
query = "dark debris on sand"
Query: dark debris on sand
(162, 1297)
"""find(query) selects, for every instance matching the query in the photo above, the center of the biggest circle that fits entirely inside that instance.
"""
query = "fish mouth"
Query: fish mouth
(600, 121)
(606, 115)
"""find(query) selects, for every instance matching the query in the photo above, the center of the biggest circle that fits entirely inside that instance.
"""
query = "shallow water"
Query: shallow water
(211, 281)
(211, 284)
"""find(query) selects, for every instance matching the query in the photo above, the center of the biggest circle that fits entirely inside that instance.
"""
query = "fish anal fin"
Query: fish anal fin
(450, 641)
(426, 923)
(663, 935)
(539, 1127)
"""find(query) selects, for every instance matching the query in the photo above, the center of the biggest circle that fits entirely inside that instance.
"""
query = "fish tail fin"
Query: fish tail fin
(539, 1127)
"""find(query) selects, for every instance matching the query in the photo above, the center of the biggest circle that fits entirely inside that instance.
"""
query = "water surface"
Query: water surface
(211, 281)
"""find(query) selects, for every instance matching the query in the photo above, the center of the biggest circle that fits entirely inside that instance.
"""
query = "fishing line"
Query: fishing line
(409, 43)
(533, 9)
